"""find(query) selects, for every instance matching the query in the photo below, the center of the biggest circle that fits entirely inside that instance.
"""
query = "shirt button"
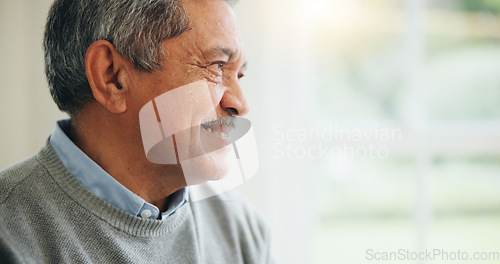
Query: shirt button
(146, 213)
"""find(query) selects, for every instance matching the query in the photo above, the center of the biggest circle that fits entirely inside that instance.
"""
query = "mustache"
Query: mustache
(223, 121)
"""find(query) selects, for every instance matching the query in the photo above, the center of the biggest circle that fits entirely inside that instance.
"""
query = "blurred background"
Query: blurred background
(377, 121)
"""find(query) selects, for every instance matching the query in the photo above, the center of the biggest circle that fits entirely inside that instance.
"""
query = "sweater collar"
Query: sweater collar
(120, 219)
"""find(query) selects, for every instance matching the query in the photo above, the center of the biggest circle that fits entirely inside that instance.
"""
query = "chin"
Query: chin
(211, 166)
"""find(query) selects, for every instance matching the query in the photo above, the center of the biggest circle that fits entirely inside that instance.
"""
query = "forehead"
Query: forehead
(213, 25)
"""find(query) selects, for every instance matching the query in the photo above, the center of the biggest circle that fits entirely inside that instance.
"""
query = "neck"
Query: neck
(114, 143)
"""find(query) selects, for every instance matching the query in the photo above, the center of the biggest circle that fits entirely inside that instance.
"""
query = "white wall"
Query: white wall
(27, 112)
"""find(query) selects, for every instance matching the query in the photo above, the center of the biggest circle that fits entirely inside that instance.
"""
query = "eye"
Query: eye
(241, 75)
(216, 67)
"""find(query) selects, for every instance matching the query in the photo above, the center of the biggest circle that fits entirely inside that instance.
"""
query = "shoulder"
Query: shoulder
(28, 185)
(18, 189)
(13, 176)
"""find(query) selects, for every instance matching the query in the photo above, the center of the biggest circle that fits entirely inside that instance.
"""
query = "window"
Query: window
(427, 70)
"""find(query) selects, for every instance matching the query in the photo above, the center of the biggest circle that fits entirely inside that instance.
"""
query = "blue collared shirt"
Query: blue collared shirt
(99, 182)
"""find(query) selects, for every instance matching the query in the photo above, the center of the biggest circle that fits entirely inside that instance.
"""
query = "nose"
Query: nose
(233, 101)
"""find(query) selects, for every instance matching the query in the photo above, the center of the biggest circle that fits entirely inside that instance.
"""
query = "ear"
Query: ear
(105, 67)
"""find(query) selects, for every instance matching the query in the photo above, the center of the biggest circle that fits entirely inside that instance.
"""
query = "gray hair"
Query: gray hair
(136, 28)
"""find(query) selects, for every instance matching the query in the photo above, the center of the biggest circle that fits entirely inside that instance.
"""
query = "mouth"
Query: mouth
(221, 126)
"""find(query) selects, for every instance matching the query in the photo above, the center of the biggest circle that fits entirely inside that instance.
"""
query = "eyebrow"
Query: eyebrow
(219, 51)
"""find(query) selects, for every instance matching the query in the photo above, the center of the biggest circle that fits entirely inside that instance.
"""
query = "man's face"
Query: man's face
(198, 86)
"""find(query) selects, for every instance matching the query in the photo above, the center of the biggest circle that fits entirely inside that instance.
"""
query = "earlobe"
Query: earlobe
(103, 65)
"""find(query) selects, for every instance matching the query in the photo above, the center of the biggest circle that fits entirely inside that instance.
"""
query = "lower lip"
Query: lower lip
(219, 137)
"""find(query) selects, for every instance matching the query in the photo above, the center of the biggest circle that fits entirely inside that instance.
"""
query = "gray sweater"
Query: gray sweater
(47, 216)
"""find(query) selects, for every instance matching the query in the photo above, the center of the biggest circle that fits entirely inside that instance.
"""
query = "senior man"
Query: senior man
(91, 195)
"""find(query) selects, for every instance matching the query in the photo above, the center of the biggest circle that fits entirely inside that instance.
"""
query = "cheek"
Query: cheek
(173, 74)
(216, 92)
(139, 93)
(214, 78)
(204, 73)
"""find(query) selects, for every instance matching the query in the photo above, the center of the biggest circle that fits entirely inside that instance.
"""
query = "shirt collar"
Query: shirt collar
(99, 182)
